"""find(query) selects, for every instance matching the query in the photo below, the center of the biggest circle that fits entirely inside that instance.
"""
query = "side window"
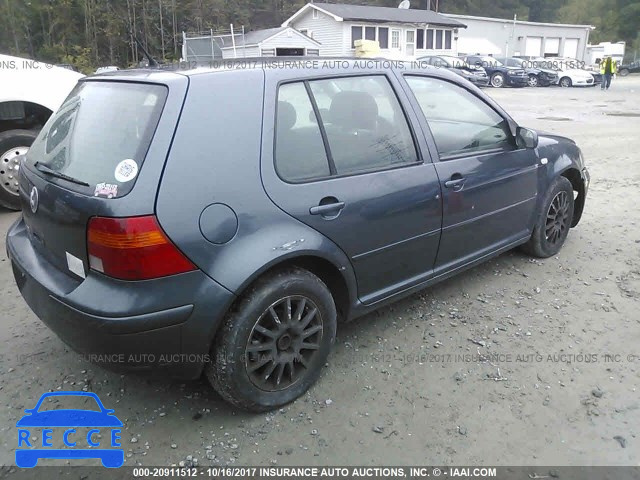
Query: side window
(299, 150)
(365, 126)
(460, 122)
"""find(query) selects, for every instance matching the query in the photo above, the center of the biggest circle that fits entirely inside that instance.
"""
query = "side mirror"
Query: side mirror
(526, 138)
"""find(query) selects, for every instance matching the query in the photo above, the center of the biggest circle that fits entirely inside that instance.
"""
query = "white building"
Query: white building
(271, 42)
(401, 33)
(500, 37)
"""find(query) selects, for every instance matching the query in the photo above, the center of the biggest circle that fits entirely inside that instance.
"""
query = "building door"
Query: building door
(551, 47)
(410, 44)
(570, 48)
(533, 46)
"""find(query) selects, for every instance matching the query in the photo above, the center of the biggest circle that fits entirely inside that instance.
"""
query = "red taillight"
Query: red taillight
(133, 248)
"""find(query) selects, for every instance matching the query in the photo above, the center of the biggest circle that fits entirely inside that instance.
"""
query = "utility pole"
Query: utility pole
(513, 31)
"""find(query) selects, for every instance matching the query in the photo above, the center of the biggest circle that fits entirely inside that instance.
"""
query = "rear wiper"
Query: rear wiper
(44, 169)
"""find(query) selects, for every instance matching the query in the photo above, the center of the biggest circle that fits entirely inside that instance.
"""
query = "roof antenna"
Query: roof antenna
(152, 61)
(404, 4)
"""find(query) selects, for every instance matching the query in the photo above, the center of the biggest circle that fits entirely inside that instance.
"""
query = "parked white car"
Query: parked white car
(31, 91)
(569, 73)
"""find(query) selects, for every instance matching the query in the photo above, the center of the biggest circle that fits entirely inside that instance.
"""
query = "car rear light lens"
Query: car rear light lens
(133, 248)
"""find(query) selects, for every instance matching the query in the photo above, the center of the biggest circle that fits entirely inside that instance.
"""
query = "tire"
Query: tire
(12, 144)
(497, 80)
(565, 82)
(549, 234)
(245, 362)
(624, 72)
(533, 81)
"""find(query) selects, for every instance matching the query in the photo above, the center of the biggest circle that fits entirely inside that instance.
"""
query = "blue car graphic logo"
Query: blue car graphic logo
(65, 423)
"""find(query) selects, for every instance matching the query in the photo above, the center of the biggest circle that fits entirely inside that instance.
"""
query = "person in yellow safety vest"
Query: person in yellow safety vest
(608, 70)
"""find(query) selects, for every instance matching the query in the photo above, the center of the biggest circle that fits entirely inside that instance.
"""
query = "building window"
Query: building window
(356, 34)
(370, 33)
(436, 39)
(429, 39)
(395, 38)
(379, 34)
(447, 39)
(315, 13)
(383, 37)
(420, 39)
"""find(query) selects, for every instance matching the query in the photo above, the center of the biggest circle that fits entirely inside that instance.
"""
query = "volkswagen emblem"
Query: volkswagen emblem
(33, 199)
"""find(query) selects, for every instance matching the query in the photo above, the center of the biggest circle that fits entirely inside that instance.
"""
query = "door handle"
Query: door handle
(327, 208)
(455, 183)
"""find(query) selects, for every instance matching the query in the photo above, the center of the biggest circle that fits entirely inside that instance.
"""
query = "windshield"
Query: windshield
(100, 136)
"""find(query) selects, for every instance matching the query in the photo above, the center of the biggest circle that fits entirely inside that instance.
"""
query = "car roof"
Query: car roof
(299, 66)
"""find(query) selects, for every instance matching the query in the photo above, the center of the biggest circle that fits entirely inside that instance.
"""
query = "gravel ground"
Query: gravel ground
(505, 364)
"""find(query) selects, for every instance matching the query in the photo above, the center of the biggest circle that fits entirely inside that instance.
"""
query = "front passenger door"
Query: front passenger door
(489, 185)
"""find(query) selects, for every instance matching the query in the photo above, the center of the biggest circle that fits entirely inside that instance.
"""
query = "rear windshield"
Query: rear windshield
(100, 136)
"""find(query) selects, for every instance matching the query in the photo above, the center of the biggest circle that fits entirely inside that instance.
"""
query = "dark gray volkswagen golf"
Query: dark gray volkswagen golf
(225, 221)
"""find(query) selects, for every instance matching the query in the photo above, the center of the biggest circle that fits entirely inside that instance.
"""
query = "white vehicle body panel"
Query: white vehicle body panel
(36, 82)
(577, 76)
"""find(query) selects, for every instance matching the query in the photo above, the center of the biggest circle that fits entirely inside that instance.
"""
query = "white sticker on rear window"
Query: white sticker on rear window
(126, 170)
(75, 265)
(108, 190)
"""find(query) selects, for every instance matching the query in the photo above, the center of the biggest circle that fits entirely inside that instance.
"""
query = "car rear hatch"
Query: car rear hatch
(100, 155)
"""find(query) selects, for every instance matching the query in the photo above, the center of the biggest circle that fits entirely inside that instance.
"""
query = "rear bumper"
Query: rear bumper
(166, 323)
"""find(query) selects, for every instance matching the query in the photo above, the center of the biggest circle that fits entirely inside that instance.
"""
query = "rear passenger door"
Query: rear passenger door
(344, 159)
(489, 185)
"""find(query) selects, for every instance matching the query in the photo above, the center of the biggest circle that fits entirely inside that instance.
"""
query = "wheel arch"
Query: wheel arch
(565, 77)
(339, 280)
(573, 175)
(33, 114)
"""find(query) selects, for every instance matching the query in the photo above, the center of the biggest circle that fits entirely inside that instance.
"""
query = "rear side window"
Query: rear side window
(300, 154)
(100, 135)
(359, 119)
